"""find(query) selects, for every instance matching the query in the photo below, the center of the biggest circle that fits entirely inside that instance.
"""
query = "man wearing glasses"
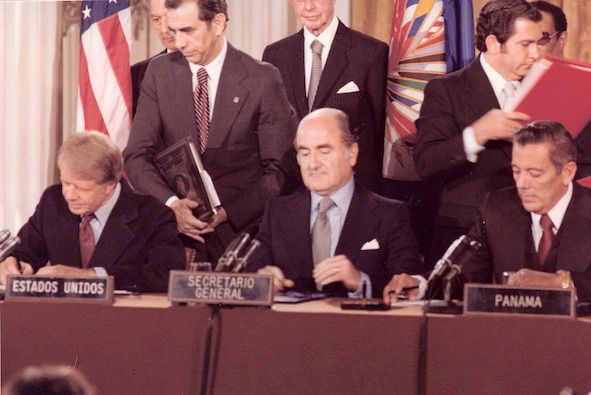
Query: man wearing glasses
(554, 34)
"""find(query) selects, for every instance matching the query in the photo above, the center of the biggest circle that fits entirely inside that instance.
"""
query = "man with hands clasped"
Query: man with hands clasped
(336, 236)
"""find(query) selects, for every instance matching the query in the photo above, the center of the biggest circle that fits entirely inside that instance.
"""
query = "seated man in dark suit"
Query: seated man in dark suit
(93, 224)
(359, 238)
(513, 223)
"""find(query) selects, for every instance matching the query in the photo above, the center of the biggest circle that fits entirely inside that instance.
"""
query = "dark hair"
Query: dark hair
(557, 14)
(208, 9)
(497, 17)
(563, 148)
(48, 380)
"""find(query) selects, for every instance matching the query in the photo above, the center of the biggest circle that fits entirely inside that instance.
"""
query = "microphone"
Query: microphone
(4, 234)
(459, 252)
(243, 260)
(8, 247)
(229, 259)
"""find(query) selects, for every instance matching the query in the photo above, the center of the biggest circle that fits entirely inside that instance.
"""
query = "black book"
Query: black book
(182, 169)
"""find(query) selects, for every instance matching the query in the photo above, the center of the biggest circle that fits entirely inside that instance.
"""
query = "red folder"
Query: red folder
(557, 89)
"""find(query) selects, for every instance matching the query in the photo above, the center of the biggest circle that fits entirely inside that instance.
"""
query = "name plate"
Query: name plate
(501, 299)
(60, 289)
(220, 288)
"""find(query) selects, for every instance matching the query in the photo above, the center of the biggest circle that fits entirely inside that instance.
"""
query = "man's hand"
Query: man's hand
(534, 278)
(279, 280)
(63, 270)
(337, 268)
(396, 287)
(11, 266)
(186, 221)
(498, 125)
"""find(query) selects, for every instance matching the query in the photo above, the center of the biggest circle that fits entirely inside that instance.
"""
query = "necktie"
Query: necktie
(509, 91)
(316, 71)
(321, 232)
(201, 103)
(86, 236)
(547, 236)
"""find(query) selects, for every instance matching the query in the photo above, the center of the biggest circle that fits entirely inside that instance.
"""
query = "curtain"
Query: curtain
(29, 106)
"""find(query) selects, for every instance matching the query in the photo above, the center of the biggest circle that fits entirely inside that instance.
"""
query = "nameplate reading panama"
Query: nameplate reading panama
(220, 288)
(498, 299)
(55, 289)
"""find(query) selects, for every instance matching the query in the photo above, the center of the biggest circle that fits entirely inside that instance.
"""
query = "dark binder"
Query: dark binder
(182, 169)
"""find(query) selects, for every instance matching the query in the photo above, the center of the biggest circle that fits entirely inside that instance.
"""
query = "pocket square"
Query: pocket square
(349, 87)
(371, 245)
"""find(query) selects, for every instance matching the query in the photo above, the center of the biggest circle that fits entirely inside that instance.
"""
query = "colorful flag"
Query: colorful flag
(104, 87)
(417, 54)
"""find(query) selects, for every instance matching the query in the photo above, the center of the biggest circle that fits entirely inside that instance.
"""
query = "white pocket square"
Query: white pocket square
(349, 87)
(371, 245)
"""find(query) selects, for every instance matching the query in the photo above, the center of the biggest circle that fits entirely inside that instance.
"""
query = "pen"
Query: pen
(406, 289)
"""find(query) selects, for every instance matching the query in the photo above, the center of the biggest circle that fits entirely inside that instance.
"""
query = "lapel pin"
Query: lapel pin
(236, 99)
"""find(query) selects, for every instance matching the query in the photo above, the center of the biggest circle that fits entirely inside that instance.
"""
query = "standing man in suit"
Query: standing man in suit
(369, 239)
(160, 24)
(245, 134)
(511, 222)
(463, 137)
(134, 236)
(353, 79)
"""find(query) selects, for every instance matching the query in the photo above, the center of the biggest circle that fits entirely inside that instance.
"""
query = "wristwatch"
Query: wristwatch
(565, 277)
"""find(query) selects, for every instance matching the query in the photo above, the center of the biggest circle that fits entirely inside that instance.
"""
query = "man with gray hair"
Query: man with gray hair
(93, 224)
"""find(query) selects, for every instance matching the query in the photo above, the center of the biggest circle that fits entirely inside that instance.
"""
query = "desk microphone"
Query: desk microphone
(8, 247)
(457, 254)
(4, 234)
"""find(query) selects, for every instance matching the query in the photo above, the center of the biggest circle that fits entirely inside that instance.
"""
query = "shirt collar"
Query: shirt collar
(557, 212)
(103, 212)
(326, 37)
(496, 80)
(342, 197)
(214, 68)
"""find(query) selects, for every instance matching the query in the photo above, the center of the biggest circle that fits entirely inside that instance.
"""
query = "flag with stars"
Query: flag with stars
(429, 38)
(104, 81)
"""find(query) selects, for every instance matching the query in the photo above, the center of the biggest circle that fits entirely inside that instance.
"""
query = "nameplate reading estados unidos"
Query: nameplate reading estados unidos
(501, 299)
(60, 289)
(220, 288)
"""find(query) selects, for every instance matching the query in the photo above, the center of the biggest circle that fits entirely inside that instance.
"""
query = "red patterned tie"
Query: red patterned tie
(547, 237)
(201, 103)
(86, 236)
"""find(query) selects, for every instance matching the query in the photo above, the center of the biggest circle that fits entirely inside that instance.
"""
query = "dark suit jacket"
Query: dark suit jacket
(138, 245)
(285, 240)
(452, 102)
(250, 136)
(138, 70)
(504, 228)
(353, 57)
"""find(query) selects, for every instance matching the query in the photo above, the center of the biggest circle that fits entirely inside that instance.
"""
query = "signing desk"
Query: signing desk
(146, 346)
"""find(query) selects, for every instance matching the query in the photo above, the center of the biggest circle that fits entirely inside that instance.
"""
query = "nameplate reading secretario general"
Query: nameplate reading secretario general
(501, 299)
(220, 288)
(60, 289)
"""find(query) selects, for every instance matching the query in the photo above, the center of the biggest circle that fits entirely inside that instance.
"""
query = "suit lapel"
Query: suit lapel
(116, 234)
(230, 98)
(297, 222)
(359, 224)
(573, 253)
(180, 96)
(296, 76)
(336, 62)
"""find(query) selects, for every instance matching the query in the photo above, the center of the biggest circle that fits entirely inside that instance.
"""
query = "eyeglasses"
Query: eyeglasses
(546, 37)
(300, 2)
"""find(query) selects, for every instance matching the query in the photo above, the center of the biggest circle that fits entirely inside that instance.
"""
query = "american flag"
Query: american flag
(429, 38)
(104, 81)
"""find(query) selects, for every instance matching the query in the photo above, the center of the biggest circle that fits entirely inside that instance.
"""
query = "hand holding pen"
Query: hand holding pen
(401, 286)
